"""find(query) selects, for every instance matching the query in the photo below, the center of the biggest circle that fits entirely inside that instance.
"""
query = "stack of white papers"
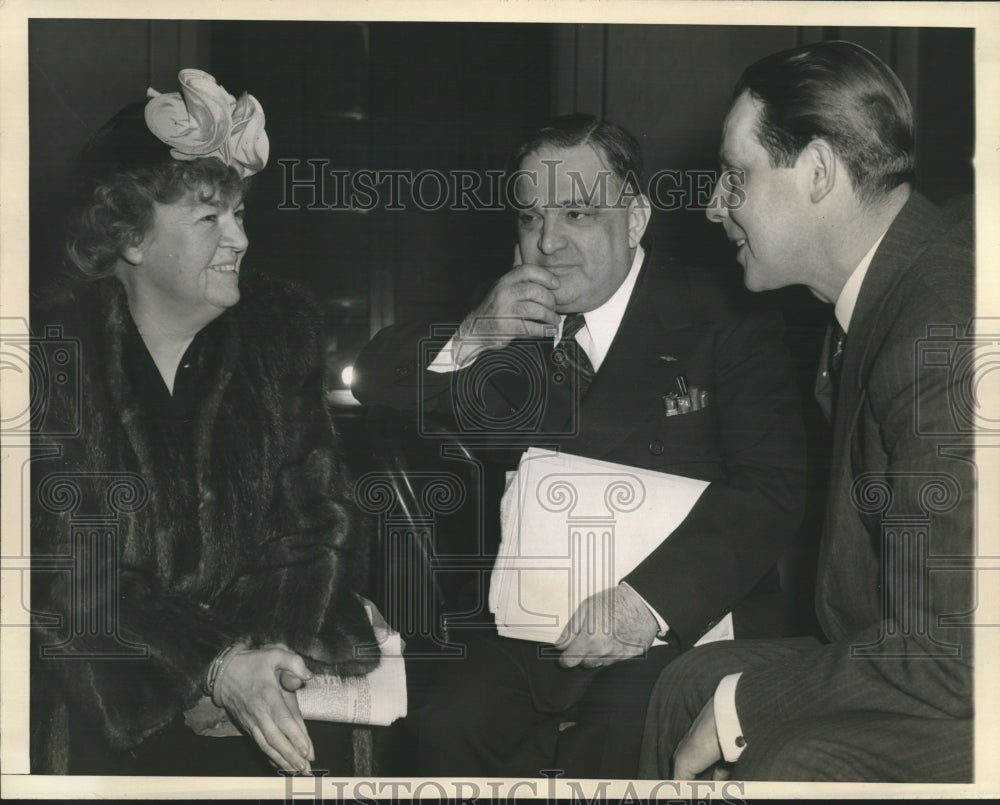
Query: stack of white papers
(572, 527)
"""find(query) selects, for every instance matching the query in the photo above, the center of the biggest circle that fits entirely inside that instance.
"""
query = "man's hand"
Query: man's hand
(257, 688)
(700, 749)
(610, 626)
(520, 304)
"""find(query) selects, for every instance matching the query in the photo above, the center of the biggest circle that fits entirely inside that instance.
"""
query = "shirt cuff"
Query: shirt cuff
(444, 361)
(661, 624)
(727, 722)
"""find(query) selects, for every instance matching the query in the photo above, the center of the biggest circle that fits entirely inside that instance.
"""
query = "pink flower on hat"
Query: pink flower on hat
(203, 120)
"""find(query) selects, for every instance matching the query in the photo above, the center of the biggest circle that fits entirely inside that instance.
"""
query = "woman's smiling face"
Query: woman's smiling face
(190, 257)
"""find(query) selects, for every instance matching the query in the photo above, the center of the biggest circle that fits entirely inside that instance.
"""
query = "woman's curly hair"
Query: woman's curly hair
(119, 210)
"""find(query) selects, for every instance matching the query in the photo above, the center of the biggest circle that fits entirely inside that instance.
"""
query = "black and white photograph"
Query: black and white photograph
(559, 400)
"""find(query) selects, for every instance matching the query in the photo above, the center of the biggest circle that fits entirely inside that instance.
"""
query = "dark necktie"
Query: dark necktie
(828, 372)
(571, 355)
(838, 338)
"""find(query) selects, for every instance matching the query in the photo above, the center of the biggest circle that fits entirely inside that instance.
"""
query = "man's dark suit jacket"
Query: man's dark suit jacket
(895, 588)
(747, 442)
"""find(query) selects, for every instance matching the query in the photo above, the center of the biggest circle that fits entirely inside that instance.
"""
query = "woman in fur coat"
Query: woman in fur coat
(195, 546)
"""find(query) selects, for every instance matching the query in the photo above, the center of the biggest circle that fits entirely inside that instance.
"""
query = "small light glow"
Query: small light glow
(347, 375)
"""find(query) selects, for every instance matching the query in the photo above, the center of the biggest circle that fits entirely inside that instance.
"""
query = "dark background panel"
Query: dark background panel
(444, 97)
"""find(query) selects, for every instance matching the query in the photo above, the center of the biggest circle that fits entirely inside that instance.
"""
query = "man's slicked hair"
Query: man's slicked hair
(840, 92)
(616, 146)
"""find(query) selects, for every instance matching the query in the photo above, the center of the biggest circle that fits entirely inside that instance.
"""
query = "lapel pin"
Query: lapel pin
(668, 358)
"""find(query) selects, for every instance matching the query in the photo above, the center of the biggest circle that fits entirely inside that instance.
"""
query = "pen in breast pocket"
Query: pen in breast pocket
(691, 399)
(682, 384)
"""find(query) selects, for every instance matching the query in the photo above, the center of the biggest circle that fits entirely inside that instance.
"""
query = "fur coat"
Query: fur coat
(272, 548)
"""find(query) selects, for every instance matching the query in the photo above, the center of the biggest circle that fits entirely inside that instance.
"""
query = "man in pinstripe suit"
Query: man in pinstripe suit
(823, 139)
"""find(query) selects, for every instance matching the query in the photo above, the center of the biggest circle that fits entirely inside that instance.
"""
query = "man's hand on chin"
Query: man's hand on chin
(520, 304)
(609, 626)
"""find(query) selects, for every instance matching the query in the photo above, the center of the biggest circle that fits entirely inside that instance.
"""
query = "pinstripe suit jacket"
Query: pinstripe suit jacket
(892, 594)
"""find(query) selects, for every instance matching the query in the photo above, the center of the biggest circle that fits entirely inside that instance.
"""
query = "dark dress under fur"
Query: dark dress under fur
(254, 535)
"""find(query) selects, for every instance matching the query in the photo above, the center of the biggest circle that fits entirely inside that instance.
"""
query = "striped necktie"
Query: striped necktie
(569, 353)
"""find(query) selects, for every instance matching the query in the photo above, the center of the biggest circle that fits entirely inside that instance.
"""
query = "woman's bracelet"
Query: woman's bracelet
(216, 667)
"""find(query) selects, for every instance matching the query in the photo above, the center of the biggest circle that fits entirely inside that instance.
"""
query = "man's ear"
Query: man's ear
(821, 165)
(638, 219)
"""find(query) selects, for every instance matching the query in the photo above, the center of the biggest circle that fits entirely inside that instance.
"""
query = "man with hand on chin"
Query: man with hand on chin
(576, 347)
(823, 137)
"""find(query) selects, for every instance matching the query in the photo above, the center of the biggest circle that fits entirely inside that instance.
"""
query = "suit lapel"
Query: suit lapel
(905, 239)
(650, 335)
(908, 235)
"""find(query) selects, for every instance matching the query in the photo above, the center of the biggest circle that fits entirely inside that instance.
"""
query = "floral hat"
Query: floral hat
(202, 120)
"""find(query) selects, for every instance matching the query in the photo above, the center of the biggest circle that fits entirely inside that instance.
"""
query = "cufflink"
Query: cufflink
(740, 741)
